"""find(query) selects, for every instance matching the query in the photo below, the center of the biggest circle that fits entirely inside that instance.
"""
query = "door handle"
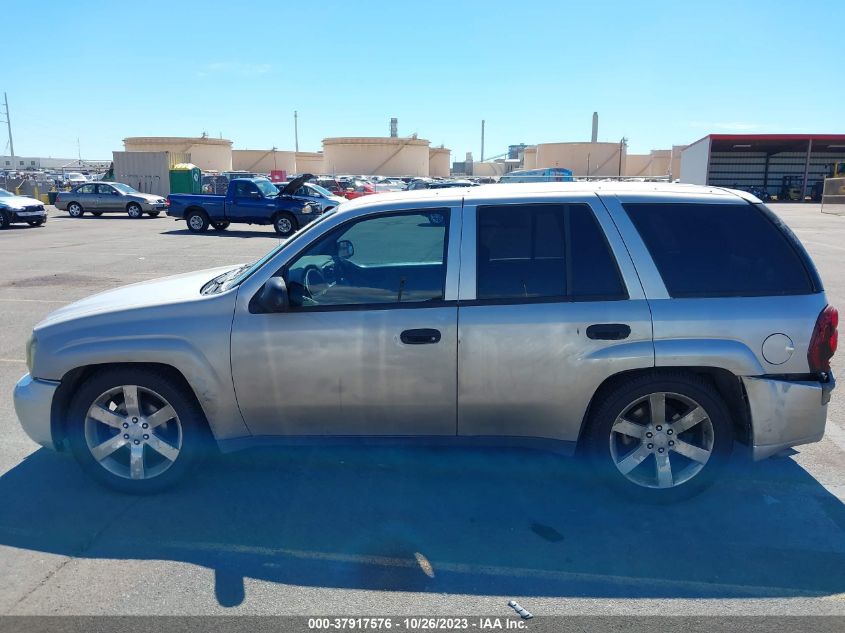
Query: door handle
(608, 331)
(424, 336)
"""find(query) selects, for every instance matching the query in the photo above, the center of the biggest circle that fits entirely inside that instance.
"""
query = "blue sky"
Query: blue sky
(658, 73)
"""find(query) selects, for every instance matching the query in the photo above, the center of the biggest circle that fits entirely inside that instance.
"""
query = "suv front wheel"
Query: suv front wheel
(135, 430)
(661, 437)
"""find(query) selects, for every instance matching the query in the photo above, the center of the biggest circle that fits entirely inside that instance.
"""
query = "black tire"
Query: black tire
(97, 213)
(197, 221)
(195, 438)
(75, 210)
(619, 397)
(4, 221)
(153, 214)
(134, 210)
(220, 226)
(284, 223)
(35, 222)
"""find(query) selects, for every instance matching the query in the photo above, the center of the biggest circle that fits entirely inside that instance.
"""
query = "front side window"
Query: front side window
(245, 190)
(544, 251)
(720, 250)
(397, 258)
(86, 189)
(105, 189)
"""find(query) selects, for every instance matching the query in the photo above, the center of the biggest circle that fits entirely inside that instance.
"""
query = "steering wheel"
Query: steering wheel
(315, 283)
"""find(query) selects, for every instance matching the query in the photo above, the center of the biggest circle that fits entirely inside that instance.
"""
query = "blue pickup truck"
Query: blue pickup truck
(248, 201)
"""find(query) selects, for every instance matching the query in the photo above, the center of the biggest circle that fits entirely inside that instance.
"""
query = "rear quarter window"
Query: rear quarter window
(723, 250)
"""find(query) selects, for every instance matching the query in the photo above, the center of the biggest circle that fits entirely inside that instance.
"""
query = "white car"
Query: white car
(20, 209)
(315, 194)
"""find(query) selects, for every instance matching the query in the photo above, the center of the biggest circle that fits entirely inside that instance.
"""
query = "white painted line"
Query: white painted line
(11, 360)
(476, 570)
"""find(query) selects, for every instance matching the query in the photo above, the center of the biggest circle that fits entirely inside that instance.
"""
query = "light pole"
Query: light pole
(9, 124)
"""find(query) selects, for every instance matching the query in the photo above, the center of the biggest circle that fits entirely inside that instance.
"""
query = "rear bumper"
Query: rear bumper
(33, 404)
(786, 413)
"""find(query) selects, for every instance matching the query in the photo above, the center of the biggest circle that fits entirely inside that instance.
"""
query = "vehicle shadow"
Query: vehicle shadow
(491, 522)
(227, 233)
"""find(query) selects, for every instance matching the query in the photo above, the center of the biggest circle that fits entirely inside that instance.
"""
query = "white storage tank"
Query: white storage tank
(385, 156)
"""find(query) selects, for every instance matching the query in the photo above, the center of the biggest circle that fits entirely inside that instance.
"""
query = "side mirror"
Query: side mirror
(255, 195)
(274, 296)
(350, 188)
(345, 249)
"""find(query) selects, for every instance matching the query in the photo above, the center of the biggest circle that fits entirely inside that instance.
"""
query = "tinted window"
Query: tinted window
(720, 250)
(535, 251)
(387, 259)
(593, 270)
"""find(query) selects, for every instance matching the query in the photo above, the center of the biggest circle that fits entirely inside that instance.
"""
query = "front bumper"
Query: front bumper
(33, 404)
(27, 215)
(786, 413)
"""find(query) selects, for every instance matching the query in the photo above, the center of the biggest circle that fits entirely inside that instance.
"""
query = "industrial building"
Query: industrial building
(773, 163)
(211, 154)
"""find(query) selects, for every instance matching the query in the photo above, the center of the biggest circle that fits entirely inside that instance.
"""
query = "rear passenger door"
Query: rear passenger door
(86, 196)
(550, 306)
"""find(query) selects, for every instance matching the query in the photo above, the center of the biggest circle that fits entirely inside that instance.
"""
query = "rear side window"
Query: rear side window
(544, 251)
(722, 250)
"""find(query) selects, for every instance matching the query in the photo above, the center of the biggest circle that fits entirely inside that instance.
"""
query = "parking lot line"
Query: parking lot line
(477, 570)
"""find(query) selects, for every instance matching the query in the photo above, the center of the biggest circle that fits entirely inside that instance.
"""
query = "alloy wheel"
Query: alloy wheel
(133, 432)
(284, 225)
(196, 222)
(661, 440)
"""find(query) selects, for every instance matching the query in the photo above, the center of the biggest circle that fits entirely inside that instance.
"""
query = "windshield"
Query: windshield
(267, 188)
(123, 188)
(321, 190)
(238, 275)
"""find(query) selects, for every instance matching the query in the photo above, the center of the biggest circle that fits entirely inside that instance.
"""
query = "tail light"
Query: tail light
(824, 340)
(167, 201)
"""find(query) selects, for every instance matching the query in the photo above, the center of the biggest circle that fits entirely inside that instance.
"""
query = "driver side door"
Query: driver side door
(368, 345)
(249, 205)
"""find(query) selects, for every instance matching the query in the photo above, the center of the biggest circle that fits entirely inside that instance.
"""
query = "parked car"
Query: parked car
(315, 194)
(650, 326)
(104, 197)
(356, 189)
(20, 209)
(549, 174)
(247, 201)
(330, 184)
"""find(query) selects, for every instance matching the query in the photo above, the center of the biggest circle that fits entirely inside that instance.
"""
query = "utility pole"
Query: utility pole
(622, 144)
(9, 124)
(296, 130)
(482, 140)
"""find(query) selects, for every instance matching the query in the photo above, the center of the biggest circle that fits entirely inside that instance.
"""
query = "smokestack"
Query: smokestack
(394, 127)
(595, 136)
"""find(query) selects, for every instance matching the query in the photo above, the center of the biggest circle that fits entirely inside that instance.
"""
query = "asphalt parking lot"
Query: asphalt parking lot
(389, 531)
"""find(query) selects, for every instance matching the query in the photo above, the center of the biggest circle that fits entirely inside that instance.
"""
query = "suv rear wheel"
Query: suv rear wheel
(135, 430)
(661, 437)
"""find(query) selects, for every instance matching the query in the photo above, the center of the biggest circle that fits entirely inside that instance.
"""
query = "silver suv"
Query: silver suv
(649, 326)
